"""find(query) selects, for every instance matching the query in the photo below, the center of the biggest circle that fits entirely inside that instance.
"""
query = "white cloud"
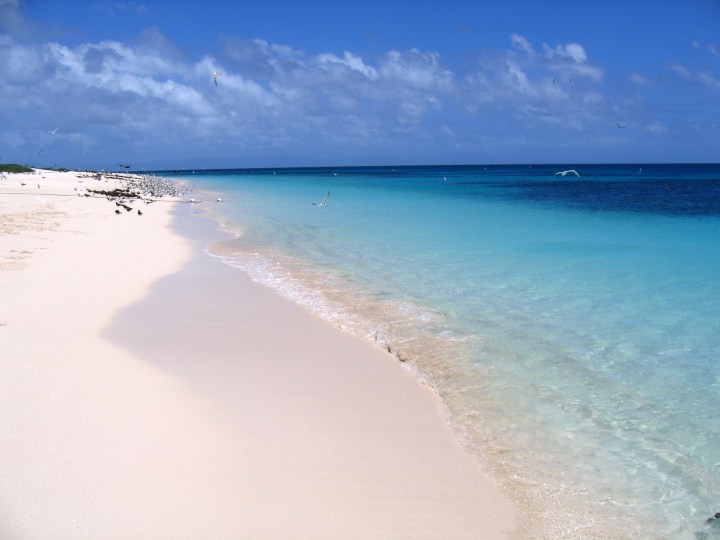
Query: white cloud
(115, 8)
(14, 23)
(572, 59)
(705, 78)
(638, 79)
(656, 128)
(573, 51)
(350, 61)
(515, 78)
(558, 87)
(148, 97)
(417, 69)
(712, 48)
(267, 93)
(519, 42)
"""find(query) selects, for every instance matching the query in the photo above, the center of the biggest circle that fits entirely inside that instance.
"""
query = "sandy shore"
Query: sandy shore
(149, 391)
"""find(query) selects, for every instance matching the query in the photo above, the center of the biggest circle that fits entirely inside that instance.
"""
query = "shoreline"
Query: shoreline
(217, 408)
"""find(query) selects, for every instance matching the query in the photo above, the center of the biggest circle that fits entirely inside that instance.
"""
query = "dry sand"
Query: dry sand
(149, 391)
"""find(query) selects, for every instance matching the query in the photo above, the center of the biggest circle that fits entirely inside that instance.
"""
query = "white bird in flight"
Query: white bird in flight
(323, 202)
(563, 173)
(215, 75)
(53, 131)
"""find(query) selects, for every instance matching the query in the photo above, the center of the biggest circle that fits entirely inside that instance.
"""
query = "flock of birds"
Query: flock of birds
(137, 188)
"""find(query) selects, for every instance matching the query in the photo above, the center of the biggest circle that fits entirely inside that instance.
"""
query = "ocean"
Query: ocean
(570, 323)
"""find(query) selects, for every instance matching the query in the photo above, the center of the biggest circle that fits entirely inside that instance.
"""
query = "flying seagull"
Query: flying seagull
(620, 126)
(53, 131)
(563, 173)
(323, 202)
(215, 75)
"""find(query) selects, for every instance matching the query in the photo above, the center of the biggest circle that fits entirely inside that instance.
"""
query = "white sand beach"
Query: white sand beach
(147, 390)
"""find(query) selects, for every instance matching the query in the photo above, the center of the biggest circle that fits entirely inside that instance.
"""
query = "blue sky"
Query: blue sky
(344, 82)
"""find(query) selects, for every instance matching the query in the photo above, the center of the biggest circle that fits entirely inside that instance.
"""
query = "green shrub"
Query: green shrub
(14, 168)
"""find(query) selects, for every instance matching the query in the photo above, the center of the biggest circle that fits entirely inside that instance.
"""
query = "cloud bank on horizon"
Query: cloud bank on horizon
(147, 101)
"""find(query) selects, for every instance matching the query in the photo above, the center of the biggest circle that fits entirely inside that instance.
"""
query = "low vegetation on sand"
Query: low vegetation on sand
(14, 168)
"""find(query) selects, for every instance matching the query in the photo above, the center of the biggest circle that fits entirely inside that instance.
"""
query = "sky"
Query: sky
(95, 84)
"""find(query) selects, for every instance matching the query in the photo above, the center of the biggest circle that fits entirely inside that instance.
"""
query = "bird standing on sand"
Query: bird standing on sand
(215, 75)
(323, 202)
(563, 173)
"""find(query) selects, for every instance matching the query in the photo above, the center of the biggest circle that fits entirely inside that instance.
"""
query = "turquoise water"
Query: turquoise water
(570, 324)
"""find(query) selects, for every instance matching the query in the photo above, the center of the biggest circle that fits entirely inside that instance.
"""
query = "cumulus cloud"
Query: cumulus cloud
(349, 61)
(267, 92)
(416, 69)
(558, 86)
(572, 59)
(148, 96)
(573, 51)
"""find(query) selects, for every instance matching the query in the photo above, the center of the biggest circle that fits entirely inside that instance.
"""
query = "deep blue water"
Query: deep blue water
(570, 324)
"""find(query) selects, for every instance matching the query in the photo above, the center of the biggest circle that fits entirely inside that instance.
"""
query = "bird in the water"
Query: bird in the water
(323, 202)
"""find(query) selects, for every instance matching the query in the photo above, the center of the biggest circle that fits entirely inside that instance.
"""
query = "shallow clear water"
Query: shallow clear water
(570, 324)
